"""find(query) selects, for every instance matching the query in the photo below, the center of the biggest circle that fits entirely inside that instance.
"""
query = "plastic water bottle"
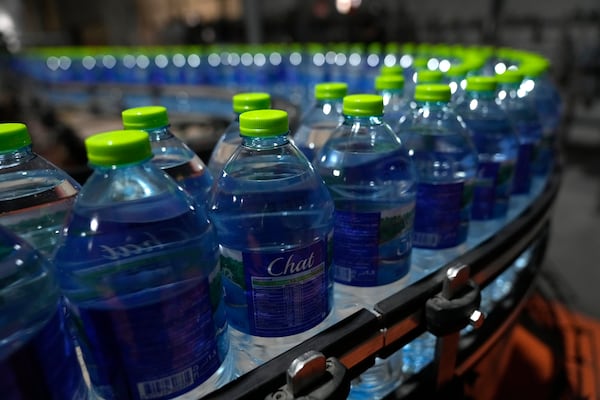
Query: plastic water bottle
(523, 115)
(446, 164)
(36, 195)
(37, 357)
(274, 216)
(497, 145)
(171, 154)
(548, 103)
(231, 139)
(139, 266)
(372, 181)
(395, 104)
(457, 79)
(319, 121)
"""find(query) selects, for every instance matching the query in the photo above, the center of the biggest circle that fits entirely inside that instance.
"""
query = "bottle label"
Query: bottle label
(523, 169)
(286, 292)
(439, 215)
(372, 248)
(492, 189)
(152, 351)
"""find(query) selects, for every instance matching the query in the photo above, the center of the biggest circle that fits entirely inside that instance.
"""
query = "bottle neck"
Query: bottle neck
(487, 95)
(363, 120)
(329, 106)
(18, 156)
(269, 142)
(161, 133)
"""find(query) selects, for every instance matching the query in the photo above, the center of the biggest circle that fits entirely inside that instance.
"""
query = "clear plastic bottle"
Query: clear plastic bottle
(391, 88)
(446, 164)
(36, 195)
(171, 154)
(139, 266)
(524, 117)
(37, 357)
(319, 121)
(457, 79)
(372, 181)
(231, 139)
(497, 145)
(548, 103)
(274, 216)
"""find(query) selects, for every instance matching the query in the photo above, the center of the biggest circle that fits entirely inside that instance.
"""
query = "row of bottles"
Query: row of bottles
(288, 70)
(176, 277)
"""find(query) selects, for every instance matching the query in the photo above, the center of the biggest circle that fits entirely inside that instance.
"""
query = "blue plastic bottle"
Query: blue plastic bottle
(548, 103)
(372, 181)
(395, 104)
(319, 121)
(36, 195)
(138, 263)
(446, 164)
(457, 79)
(37, 357)
(231, 139)
(523, 115)
(273, 215)
(171, 154)
(497, 145)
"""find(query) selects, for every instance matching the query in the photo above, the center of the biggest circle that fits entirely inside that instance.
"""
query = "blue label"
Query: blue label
(285, 292)
(154, 351)
(439, 215)
(372, 249)
(484, 195)
(523, 169)
(492, 189)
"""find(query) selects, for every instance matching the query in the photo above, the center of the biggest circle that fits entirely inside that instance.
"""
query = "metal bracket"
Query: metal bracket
(313, 377)
(456, 306)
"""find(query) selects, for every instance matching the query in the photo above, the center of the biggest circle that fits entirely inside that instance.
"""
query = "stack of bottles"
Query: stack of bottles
(174, 277)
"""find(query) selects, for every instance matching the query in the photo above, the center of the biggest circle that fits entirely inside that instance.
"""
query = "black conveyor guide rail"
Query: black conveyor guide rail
(399, 319)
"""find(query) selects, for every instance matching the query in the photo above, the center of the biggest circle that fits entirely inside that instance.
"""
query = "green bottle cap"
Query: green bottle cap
(420, 63)
(432, 92)
(251, 101)
(389, 82)
(391, 70)
(532, 68)
(427, 76)
(457, 71)
(13, 136)
(481, 83)
(264, 123)
(330, 90)
(511, 76)
(118, 148)
(150, 117)
(363, 105)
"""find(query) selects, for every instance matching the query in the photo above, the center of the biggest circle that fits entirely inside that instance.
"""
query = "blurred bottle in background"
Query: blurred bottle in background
(395, 104)
(497, 146)
(171, 154)
(37, 357)
(231, 139)
(523, 115)
(138, 264)
(319, 121)
(548, 103)
(274, 218)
